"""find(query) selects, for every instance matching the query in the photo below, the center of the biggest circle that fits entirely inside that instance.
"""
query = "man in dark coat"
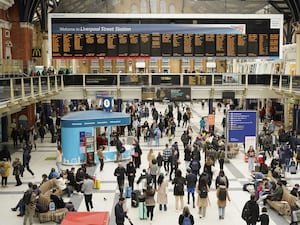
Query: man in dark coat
(120, 213)
(250, 211)
(120, 173)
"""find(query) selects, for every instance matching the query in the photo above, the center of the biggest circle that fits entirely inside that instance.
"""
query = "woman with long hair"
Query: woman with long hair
(150, 201)
(203, 199)
(185, 217)
(162, 188)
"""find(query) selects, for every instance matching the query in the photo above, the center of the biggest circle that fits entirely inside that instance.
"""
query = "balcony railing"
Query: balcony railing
(21, 88)
(16, 89)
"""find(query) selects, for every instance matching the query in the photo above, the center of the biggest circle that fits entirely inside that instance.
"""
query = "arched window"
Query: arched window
(153, 6)
(133, 8)
(171, 8)
(163, 6)
(143, 6)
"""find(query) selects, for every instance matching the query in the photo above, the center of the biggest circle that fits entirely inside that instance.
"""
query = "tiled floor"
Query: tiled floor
(105, 198)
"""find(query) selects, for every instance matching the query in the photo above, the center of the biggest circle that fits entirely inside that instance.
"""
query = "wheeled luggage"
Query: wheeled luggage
(135, 198)
(128, 192)
(142, 210)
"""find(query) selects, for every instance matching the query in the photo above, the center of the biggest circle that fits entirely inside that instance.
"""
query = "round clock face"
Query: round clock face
(106, 103)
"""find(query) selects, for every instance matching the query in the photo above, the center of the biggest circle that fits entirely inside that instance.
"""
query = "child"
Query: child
(264, 217)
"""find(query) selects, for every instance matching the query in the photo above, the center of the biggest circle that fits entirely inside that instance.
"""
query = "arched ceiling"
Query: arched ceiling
(36, 11)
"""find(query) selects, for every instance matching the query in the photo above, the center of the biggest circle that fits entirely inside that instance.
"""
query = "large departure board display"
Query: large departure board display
(92, 36)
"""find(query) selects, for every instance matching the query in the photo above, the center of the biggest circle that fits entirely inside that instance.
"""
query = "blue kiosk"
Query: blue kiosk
(78, 139)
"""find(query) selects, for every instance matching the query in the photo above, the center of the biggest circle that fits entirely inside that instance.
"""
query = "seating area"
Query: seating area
(47, 189)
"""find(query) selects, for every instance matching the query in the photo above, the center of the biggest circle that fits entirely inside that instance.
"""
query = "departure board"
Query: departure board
(218, 45)
(210, 45)
(90, 45)
(166, 44)
(221, 45)
(242, 46)
(177, 44)
(252, 45)
(112, 45)
(188, 45)
(67, 44)
(199, 45)
(96, 35)
(273, 44)
(101, 46)
(263, 46)
(231, 45)
(134, 47)
(78, 45)
(57, 44)
(145, 44)
(123, 45)
(156, 45)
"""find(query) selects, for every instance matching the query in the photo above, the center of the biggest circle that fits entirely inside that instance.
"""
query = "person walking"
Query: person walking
(179, 181)
(120, 213)
(167, 153)
(153, 170)
(186, 217)
(250, 212)
(26, 158)
(137, 154)
(120, 173)
(101, 157)
(5, 165)
(149, 194)
(162, 196)
(203, 199)
(87, 189)
(222, 196)
(130, 173)
(59, 154)
(191, 180)
(251, 158)
(17, 170)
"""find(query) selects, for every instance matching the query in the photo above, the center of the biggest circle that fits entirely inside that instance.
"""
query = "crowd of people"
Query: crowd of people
(193, 177)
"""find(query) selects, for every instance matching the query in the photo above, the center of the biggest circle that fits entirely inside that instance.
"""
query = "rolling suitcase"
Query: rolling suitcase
(128, 192)
(142, 210)
(293, 169)
(135, 198)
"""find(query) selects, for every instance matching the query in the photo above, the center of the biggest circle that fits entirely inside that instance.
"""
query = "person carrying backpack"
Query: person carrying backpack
(222, 196)
(250, 212)
(179, 182)
(186, 218)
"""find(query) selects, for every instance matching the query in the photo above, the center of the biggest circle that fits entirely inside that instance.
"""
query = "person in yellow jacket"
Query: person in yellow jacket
(5, 172)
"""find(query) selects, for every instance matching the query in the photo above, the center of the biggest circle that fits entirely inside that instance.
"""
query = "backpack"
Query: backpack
(284, 137)
(246, 213)
(179, 187)
(157, 132)
(222, 194)
(194, 165)
(2, 170)
(186, 220)
(27, 197)
(203, 192)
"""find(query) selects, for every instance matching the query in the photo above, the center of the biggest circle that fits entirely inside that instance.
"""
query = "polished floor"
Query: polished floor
(105, 198)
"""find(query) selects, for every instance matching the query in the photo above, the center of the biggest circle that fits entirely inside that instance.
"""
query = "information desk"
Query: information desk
(86, 218)
(111, 154)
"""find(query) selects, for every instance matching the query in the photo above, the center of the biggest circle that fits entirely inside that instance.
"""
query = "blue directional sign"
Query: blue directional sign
(240, 125)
